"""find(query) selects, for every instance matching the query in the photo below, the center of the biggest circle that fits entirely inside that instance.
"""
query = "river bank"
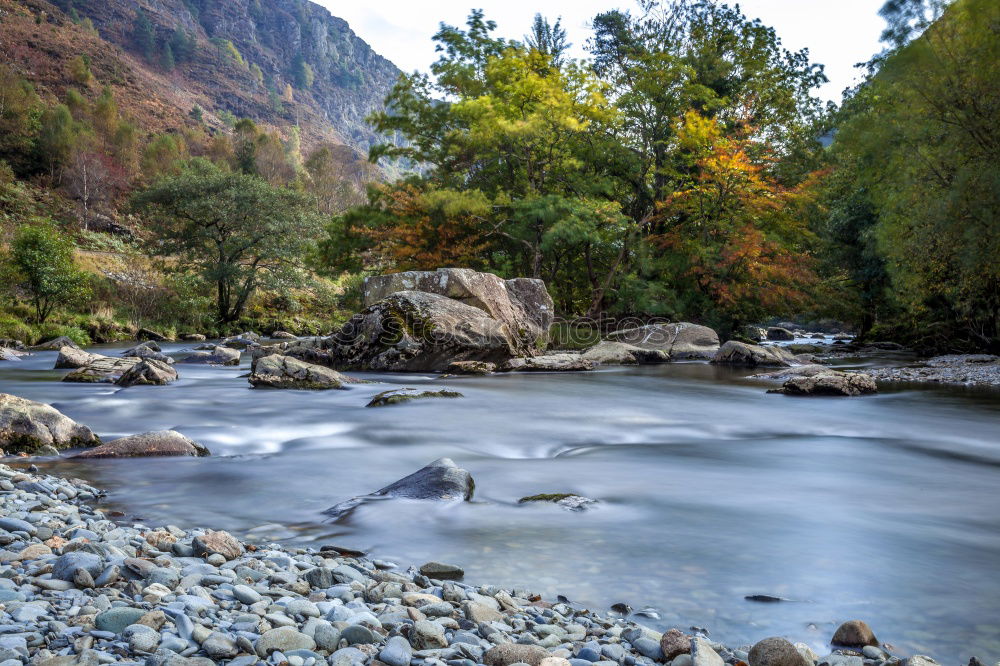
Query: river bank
(76, 587)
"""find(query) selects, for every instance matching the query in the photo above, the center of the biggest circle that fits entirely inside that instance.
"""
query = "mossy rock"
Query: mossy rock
(399, 396)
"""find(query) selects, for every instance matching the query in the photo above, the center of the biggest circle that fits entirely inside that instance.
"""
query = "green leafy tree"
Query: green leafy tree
(41, 265)
(235, 230)
(302, 73)
(20, 112)
(549, 39)
(145, 35)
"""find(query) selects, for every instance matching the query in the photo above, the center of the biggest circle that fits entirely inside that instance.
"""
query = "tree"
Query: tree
(41, 264)
(921, 139)
(91, 178)
(57, 137)
(235, 230)
(79, 70)
(548, 39)
(20, 112)
(302, 73)
(145, 35)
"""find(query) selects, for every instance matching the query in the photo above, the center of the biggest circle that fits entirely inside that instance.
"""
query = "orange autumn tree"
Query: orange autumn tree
(729, 241)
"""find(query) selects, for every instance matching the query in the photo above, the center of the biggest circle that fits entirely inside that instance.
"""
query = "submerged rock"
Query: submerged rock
(752, 356)
(218, 356)
(101, 369)
(564, 362)
(283, 335)
(147, 445)
(148, 372)
(193, 337)
(398, 396)
(286, 372)
(680, 340)
(148, 350)
(569, 501)
(440, 480)
(26, 426)
(830, 382)
(621, 353)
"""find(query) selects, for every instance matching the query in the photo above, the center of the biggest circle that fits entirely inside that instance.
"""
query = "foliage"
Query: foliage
(921, 140)
(41, 265)
(236, 231)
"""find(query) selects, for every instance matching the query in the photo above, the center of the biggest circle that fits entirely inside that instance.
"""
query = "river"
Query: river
(884, 508)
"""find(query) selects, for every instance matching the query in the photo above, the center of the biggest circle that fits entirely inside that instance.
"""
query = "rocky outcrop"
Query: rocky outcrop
(441, 480)
(55, 344)
(752, 356)
(102, 370)
(73, 357)
(286, 372)
(217, 356)
(681, 340)
(399, 396)
(779, 333)
(564, 362)
(830, 382)
(620, 353)
(11, 343)
(420, 331)
(26, 426)
(148, 372)
(523, 305)
(147, 445)
(149, 350)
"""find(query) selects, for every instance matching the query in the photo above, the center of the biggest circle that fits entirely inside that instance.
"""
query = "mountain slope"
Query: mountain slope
(278, 62)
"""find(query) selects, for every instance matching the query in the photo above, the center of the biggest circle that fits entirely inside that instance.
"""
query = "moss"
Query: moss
(395, 396)
(545, 497)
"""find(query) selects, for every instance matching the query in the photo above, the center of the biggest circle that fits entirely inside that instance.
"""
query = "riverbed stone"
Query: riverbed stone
(115, 620)
(219, 646)
(507, 654)
(442, 571)
(101, 370)
(470, 368)
(357, 634)
(775, 651)
(674, 643)
(217, 356)
(397, 652)
(26, 426)
(148, 444)
(779, 333)
(66, 566)
(678, 340)
(610, 352)
(703, 654)
(854, 633)
(55, 344)
(287, 372)
(282, 639)
(217, 543)
(752, 356)
(148, 372)
(829, 383)
(558, 362)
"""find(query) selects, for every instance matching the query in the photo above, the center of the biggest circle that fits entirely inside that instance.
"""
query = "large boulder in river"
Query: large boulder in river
(73, 357)
(148, 372)
(277, 371)
(102, 370)
(419, 331)
(26, 426)
(561, 362)
(681, 340)
(522, 304)
(621, 353)
(831, 382)
(147, 445)
(10, 354)
(218, 356)
(440, 480)
(779, 333)
(752, 356)
(149, 350)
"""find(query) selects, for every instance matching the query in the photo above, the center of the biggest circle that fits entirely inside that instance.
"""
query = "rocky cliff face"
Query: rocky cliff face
(293, 63)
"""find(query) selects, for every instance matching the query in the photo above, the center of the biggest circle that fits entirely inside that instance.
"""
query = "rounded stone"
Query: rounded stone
(66, 566)
(357, 634)
(427, 635)
(282, 639)
(245, 594)
(506, 654)
(396, 652)
(117, 619)
(775, 651)
(854, 633)
(674, 643)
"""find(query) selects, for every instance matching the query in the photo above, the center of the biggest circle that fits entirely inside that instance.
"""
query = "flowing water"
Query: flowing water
(884, 508)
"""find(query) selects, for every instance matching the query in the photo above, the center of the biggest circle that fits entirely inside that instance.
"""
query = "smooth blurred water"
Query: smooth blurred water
(883, 508)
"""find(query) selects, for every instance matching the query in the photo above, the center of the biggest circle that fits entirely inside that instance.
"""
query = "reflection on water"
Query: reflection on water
(883, 508)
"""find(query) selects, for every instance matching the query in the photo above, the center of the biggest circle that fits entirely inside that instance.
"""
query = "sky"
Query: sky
(838, 33)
